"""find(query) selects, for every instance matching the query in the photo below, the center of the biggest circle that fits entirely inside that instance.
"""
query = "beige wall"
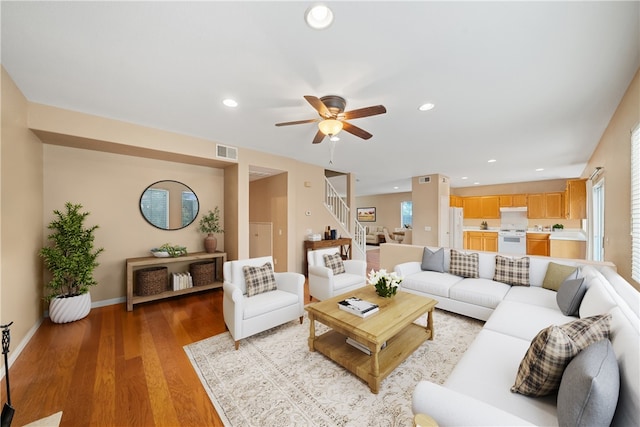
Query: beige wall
(387, 208)
(109, 187)
(21, 230)
(613, 153)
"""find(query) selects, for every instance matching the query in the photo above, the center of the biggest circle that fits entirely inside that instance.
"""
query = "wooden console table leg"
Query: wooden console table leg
(312, 332)
(430, 323)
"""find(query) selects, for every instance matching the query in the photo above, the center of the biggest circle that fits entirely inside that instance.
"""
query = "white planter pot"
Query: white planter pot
(65, 310)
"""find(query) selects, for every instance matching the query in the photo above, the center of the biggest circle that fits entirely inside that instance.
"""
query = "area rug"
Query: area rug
(274, 380)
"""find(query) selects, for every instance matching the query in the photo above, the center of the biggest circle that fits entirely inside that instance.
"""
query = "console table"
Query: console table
(134, 264)
(344, 243)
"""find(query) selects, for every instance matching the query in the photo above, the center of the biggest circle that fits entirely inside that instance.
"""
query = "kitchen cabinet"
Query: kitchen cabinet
(513, 200)
(490, 207)
(545, 205)
(538, 244)
(576, 199)
(471, 207)
(481, 241)
(455, 201)
(485, 207)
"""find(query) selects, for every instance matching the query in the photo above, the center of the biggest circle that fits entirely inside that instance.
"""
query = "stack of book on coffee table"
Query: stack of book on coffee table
(358, 307)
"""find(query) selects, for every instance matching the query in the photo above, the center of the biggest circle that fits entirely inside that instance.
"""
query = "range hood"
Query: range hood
(519, 209)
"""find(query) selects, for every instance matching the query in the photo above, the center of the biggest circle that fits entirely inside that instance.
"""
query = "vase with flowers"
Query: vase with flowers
(386, 284)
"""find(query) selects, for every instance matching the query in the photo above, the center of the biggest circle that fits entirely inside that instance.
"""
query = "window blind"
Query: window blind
(635, 204)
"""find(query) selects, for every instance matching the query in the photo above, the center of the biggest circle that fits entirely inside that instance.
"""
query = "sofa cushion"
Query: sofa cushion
(482, 292)
(463, 265)
(534, 295)
(523, 320)
(433, 261)
(334, 262)
(512, 271)
(556, 274)
(541, 369)
(589, 389)
(570, 295)
(259, 279)
(431, 282)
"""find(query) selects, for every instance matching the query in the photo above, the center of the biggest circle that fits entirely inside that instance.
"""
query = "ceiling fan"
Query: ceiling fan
(333, 118)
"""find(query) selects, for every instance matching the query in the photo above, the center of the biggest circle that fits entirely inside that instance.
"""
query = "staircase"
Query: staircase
(340, 211)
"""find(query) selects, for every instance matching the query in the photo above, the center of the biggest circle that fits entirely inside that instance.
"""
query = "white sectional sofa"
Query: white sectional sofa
(478, 391)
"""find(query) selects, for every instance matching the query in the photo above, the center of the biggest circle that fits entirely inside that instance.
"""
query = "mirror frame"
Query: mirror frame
(172, 181)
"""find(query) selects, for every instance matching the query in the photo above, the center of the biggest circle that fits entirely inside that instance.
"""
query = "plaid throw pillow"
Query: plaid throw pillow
(259, 279)
(464, 265)
(551, 351)
(512, 271)
(334, 262)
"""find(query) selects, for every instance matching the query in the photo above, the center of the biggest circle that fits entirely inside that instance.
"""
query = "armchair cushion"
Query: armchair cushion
(334, 262)
(259, 279)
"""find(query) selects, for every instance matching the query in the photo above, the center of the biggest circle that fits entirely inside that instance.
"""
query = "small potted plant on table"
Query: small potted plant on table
(210, 223)
(71, 259)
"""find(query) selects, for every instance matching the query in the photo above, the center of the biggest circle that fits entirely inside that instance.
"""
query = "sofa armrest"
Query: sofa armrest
(407, 268)
(450, 408)
(355, 266)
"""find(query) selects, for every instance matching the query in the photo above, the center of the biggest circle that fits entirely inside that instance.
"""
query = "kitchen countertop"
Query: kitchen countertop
(569, 234)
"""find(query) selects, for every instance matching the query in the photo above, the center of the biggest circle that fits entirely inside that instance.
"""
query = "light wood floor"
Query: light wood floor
(119, 368)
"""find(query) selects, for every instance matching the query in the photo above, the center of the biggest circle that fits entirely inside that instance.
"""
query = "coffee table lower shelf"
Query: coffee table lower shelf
(333, 345)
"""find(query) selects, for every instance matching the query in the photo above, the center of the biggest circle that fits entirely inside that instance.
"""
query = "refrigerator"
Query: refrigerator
(455, 228)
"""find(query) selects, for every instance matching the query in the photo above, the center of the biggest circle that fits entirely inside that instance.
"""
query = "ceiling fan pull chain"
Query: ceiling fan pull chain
(332, 147)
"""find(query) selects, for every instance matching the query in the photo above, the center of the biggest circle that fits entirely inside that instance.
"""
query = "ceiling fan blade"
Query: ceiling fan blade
(299, 122)
(365, 112)
(319, 137)
(354, 130)
(318, 105)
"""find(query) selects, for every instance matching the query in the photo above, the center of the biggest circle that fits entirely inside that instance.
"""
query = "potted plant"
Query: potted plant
(71, 259)
(210, 223)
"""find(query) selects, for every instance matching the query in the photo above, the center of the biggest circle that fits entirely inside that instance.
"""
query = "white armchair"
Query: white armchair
(246, 316)
(323, 284)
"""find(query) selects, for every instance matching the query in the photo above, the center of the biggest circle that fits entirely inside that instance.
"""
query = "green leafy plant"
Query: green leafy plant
(71, 258)
(558, 226)
(172, 250)
(210, 223)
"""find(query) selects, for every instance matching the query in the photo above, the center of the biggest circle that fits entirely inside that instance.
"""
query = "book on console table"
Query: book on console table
(358, 307)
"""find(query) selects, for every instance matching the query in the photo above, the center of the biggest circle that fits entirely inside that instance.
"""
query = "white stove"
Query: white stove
(512, 239)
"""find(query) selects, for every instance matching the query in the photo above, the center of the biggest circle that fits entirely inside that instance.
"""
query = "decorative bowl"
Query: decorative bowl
(160, 254)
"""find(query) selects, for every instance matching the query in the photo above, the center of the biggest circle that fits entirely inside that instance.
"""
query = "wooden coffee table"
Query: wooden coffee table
(393, 324)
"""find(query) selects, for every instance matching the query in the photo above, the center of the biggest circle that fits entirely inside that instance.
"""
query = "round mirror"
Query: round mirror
(169, 205)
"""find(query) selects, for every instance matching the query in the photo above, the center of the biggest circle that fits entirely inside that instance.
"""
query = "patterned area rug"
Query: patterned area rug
(274, 380)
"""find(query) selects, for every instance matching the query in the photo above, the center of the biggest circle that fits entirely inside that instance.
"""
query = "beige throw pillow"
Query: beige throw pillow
(556, 274)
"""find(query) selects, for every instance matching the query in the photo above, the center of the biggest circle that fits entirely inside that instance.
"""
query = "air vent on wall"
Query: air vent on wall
(226, 152)
(424, 180)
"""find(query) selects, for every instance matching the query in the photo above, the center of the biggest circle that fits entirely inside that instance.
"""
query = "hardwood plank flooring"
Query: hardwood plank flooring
(119, 368)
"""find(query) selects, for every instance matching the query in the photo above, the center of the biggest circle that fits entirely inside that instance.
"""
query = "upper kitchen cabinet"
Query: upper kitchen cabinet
(486, 207)
(576, 199)
(545, 205)
(455, 201)
(513, 200)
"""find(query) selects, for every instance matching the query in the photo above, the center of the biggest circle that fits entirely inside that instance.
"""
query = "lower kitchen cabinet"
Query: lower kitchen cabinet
(481, 241)
(538, 244)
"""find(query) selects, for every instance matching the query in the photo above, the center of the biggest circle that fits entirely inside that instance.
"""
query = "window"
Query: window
(635, 204)
(406, 214)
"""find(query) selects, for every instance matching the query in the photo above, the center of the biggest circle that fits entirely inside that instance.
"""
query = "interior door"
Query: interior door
(260, 239)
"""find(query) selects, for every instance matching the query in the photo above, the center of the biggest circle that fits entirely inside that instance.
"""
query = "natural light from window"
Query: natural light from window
(406, 214)
(635, 204)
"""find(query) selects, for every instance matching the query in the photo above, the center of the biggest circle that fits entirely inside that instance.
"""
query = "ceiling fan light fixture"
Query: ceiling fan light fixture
(318, 17)
(426, 107)
(330, 127)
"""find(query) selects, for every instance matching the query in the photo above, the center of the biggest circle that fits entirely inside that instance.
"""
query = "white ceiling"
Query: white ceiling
(530, 84)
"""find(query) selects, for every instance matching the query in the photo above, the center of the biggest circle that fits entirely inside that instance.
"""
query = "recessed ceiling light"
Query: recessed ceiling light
(318, 17)
(230, 102)
(491, 161)
(465, 177)
(426, 107)
(476, 183)
(539, 169)
(395, 188)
